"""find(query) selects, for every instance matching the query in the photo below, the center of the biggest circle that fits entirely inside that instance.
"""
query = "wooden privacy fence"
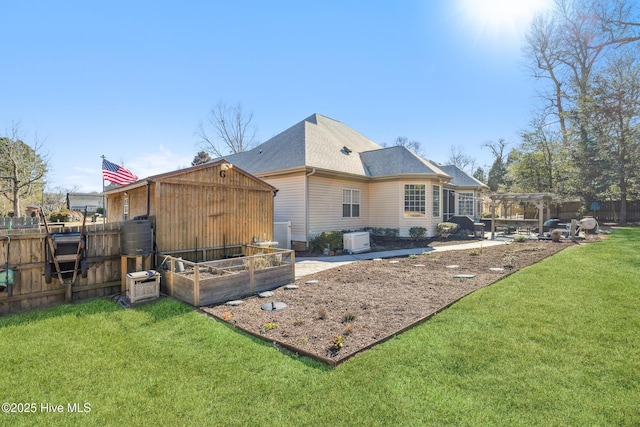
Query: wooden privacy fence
(609, 211)
(27, 260)
(211, 282)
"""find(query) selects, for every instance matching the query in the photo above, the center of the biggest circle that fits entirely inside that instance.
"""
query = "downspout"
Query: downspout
(306, 206)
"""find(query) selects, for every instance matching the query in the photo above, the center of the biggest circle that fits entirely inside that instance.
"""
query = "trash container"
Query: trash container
(478, 230)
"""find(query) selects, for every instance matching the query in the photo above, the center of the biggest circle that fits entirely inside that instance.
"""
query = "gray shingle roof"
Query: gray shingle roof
(317, 141)
(461, 178)
(323, 143)
(397, 160)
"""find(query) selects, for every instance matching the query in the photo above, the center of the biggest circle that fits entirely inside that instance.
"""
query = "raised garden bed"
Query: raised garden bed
(211, 282)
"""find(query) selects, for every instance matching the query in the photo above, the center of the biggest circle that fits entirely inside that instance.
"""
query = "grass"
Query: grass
(554, 344)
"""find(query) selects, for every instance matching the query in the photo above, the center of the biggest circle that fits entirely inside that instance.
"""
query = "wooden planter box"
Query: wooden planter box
(213, 282)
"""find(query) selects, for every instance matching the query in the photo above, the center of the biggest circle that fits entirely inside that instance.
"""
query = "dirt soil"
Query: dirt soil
(339, 312)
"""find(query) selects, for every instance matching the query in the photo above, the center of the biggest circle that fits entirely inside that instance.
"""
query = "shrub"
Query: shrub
(383, 232)
(520, 238)
(323, 313)
(508, 261)
(65, 216)
(446, 228)
(417, 232)
(320, 242)
(348, 330)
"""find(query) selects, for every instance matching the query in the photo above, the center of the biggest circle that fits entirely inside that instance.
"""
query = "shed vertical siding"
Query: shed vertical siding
(202, 207)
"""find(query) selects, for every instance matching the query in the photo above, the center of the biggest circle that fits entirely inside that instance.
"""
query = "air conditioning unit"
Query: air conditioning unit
(355, 243)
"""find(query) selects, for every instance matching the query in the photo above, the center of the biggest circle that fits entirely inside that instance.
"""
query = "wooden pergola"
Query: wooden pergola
(540, 200)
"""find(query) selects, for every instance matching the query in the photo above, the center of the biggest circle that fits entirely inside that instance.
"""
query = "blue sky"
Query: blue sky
(131, 80)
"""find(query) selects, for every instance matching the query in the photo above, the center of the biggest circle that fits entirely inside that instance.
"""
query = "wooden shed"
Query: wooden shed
(202, 212)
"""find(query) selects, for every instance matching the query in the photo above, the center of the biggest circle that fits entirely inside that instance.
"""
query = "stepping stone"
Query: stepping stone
(453, 266)
(273, 306)
(266, 294)
(377, 259)
(496, 269)
(418, 265)
(394, 262)
(464, 276)
(234, 302)
(290, 287)
(311, 282)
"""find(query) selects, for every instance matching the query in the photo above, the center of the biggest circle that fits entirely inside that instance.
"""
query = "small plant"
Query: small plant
(417, 232)
(269, 326)
(348, 330)
(337, 343)
(349, 316)
(413, 256)
(227, 316)
(475, 251)
(323, 313)
(298, 322)
(508, 261)
(519, 238)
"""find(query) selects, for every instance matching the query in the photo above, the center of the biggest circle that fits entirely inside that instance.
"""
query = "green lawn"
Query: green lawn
(555, 344)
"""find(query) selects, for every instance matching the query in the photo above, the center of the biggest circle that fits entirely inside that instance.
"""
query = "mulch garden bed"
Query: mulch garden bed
(336, 313)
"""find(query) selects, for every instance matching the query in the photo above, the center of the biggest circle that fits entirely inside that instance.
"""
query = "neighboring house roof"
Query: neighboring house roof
(460, 178)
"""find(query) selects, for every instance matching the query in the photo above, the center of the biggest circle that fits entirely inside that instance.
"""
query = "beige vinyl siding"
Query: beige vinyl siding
(288, 205)
(325, 205)
(383, 204)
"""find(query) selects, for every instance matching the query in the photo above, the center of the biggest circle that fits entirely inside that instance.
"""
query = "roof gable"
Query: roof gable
(317, 141)
(397, 160)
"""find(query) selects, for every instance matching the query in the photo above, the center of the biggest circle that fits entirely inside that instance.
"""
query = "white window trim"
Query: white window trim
(352, 192)
(436, 211)
(414, 213)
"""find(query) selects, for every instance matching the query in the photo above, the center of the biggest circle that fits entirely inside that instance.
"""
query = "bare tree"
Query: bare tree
(22, 169)
(497, 173)
(403, 141)
(463, 161)
(232, 130)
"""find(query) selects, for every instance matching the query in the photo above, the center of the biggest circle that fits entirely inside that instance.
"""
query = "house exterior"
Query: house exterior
(330, 177)
(214, 205)
(81, 201)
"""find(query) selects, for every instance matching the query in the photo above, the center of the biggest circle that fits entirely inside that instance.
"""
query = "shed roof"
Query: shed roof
(178, 172)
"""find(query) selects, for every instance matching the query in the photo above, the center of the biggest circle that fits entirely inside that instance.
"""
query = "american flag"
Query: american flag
(117, 174)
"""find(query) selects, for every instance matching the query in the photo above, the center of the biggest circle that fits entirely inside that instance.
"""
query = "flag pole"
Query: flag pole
(104, 201)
